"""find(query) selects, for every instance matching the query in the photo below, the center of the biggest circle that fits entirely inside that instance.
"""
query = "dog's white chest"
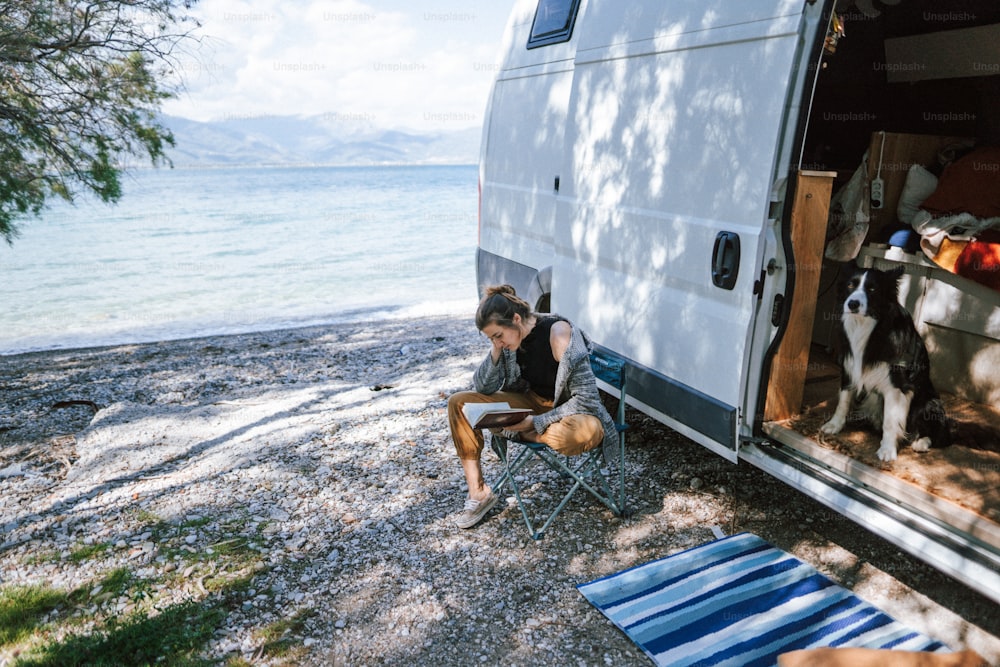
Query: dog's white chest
(859, 330)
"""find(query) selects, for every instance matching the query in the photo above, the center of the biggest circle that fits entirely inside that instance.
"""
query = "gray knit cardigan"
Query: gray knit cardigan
(575, 389)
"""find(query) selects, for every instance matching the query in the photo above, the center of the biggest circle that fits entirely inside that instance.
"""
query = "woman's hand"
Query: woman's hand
(524, 429)
(497, 350)
(526, 424)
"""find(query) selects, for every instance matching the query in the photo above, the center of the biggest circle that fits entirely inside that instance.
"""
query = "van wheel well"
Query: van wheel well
(544, 303)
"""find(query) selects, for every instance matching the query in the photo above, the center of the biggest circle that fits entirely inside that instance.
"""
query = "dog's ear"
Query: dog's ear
(896, 273)
(845, 270)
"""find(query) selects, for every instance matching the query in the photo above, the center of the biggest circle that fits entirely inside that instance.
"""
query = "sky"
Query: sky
(415, 64)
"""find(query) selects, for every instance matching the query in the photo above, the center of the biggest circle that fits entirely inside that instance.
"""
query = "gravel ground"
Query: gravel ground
(306, 479)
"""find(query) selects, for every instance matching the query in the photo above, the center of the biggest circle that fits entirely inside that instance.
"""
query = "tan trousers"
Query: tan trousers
(571, 435)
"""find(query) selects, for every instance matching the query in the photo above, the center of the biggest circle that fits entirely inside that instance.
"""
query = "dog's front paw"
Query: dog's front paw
(832, 427)
(921, 445)
(887, 452)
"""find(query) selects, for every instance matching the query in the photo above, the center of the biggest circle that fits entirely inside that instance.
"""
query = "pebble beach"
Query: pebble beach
(295, 488)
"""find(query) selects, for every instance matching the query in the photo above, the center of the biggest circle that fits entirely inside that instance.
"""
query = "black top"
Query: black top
(538, 366)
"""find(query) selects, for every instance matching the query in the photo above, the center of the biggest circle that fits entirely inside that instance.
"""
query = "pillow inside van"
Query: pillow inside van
(920, 184)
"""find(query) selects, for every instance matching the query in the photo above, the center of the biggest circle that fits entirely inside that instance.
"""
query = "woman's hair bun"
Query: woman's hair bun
(500, 289)
(499, 305)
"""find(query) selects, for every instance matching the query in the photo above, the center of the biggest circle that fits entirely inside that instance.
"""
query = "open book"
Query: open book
(493, 415)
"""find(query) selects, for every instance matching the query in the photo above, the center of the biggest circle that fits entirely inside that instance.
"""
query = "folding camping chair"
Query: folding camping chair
(586, 472)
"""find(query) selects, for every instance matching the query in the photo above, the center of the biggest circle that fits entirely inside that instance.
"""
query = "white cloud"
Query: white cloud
(385, 63)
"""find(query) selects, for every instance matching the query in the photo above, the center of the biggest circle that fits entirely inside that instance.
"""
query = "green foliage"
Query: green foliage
(80, 85)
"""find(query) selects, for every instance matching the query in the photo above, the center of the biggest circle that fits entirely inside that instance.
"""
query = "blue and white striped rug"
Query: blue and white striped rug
(740, 601)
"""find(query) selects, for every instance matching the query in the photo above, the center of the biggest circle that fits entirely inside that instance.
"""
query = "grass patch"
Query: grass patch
(88, 551)
(196, 523)
(172, 637)
(46, 558)
(146, 517)
(117, 580)
(215, 546)
(278, 640)
(231, 583)
(22, 609)
(235, 546)
(120, 618)
(236, 550)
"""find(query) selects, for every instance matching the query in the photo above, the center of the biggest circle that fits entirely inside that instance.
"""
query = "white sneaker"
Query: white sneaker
(475, 510)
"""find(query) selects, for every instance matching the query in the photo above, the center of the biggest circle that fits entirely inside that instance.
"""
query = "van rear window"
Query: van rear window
(553, 23)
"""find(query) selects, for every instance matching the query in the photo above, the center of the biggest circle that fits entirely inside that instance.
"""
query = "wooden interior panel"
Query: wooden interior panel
(810, 211)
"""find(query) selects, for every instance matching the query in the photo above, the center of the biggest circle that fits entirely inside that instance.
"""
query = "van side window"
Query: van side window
(553, 23)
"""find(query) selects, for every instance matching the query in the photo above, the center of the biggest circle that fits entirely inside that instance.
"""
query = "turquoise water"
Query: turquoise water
(190, 252)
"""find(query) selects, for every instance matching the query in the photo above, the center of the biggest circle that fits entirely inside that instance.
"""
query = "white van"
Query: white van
(661, 173)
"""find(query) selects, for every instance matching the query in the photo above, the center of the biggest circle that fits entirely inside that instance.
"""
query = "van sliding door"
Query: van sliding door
(523, 147)
(675, 119)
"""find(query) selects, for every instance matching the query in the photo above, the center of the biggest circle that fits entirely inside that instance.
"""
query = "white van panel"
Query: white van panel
(518, 214)
(666, 22)
(515, 50)
(518, 178)
(665, 151)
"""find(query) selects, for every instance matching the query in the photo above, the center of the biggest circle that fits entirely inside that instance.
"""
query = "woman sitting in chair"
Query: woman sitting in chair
(540, 362)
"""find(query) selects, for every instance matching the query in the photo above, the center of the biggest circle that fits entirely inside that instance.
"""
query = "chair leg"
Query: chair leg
(582, 475)
(507, 477)
(621, 473)
(562, 471)
(591, 463)
(607, 498)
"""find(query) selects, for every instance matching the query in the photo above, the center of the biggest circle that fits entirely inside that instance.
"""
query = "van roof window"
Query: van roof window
(553, 23)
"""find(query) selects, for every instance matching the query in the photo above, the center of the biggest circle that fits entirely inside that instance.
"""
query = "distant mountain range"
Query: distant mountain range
(328, 139)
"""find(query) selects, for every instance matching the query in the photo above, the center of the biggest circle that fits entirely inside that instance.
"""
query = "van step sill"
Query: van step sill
(892, 488)
(955, 553)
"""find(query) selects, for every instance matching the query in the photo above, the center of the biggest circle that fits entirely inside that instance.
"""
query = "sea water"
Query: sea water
(193, 252)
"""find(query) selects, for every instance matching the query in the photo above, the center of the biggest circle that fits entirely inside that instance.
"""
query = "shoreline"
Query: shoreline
(162, 334)
(302, 481)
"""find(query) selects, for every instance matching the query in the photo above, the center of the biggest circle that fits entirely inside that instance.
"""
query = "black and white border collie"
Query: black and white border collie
(884, 367)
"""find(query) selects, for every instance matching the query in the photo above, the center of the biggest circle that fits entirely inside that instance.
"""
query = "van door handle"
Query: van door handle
(726, 260)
